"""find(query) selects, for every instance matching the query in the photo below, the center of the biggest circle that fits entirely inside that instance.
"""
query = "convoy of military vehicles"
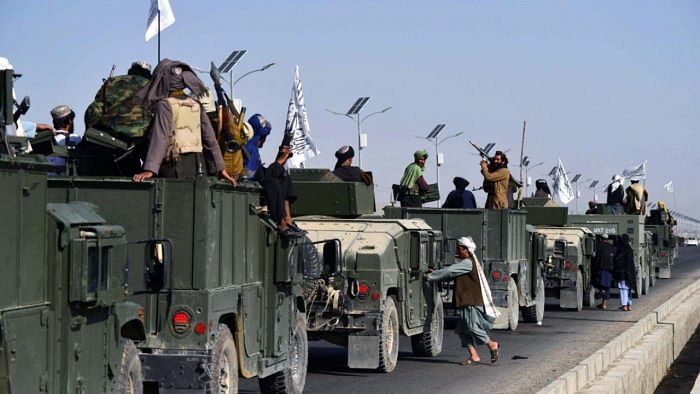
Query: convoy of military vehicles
(177, 285)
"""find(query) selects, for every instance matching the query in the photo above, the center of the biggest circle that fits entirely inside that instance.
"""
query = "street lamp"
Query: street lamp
(354, 114)
(263, 68)
(526, 164)
(227, 66)
(592, 187)
(574, 180)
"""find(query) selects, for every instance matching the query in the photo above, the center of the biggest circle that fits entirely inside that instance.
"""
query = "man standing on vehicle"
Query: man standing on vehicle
(460, 197)
(496, 177)
(345, 170)
(615, 195)
(412, 183)
(472, 298)
(637, 197)
(182, 141)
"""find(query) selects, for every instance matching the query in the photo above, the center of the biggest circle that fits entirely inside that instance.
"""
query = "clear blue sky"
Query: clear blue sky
(603, 85)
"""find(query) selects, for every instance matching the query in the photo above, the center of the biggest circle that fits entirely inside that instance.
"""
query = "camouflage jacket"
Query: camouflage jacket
(116, 110)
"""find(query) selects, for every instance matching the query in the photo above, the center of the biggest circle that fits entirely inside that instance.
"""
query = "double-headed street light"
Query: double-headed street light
(354, 114)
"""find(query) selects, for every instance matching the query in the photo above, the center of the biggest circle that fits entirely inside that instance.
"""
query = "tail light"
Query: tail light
(181, 321)
(200, 328)
(496, 276)
(662, 254)
(375, 296)
(568, 265)
(362, 291)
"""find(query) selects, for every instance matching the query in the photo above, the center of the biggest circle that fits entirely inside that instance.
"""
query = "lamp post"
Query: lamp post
(227, 66)
(526, 164)
(592, 187)
(574, 180)
(354, 114)
(263, 68)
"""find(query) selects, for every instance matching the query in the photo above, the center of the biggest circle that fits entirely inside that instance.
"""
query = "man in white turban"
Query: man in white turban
(472, 297)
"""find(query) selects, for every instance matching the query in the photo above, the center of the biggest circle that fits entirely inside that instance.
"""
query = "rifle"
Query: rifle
(230, 127)
(482, 152)
(22, 109)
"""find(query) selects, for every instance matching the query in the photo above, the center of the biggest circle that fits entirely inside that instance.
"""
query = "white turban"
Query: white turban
(467, 242)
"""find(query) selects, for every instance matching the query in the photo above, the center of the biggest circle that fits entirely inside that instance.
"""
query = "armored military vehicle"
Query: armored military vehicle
(505, 248)
(221, 292)
(568, 254)
(663, 242)
(65, 323)
(633, 226)
(377, 289)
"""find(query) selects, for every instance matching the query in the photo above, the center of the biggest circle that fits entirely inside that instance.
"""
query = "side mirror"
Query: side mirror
(332, 256)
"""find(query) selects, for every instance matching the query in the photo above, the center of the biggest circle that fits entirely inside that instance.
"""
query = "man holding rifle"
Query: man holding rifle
(496, 176)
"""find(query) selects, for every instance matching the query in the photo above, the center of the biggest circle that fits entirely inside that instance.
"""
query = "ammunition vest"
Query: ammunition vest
(468, 290)
(186, 136)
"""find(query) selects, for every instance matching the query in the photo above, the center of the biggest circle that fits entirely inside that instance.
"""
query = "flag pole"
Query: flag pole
(159, 33)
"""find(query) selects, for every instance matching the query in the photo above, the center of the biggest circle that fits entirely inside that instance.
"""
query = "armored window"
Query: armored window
(105, 258)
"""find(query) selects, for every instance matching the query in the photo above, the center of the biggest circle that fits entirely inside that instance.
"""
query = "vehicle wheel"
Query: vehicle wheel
(535, 313)
(429, 342)
(579, 291)
(291, 379)
(224, 362)
(638, 293)
(131, 373)
(589, 299)
(513, 305)
(389, 337)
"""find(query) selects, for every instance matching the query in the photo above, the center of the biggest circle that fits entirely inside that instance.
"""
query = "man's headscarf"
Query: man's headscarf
(460, 183)
(616, 182)
(169, 76)
(420, 153)
(343, 154)
(467, 242)
(261, 128)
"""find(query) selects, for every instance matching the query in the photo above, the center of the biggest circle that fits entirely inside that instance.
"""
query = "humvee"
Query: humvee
(221, 291)
(663, 242)
(377, 289)
(568, 254)
(65, 323)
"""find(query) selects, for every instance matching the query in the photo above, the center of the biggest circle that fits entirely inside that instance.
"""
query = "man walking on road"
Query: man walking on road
(472, 297)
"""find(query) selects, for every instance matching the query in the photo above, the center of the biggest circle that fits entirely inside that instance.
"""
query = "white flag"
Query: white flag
(562, 187)
(669, 187)
(635, 171)
(298, 126)
(167, 17)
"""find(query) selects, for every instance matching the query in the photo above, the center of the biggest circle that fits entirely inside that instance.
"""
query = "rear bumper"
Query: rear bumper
(180, 370)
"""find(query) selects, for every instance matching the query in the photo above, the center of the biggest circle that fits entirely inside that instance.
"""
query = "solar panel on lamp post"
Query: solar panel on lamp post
(227, 66)
(354, 114)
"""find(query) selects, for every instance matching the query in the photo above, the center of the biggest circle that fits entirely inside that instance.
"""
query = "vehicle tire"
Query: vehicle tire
(638, 293)
(589, 296)
(513, 304)
(131, 372)
(579, 291)
(293, 378)
(224, 362)
(389, 337)
(535, 313)
(429, 342)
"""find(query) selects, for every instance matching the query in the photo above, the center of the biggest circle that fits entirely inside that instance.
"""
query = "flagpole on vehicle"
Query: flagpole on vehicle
(159, 34)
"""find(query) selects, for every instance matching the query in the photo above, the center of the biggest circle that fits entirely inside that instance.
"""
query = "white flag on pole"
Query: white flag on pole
(562, 187)
(635, 171)
(167, 17)
(298, 126)
(669, 187)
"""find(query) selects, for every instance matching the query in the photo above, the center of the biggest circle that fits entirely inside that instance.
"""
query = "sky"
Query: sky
(603, 85)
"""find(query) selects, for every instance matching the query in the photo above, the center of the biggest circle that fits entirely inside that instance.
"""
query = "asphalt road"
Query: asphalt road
(531, 357)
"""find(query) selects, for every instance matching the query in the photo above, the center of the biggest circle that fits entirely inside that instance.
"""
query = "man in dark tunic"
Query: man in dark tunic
(615, 195)
(182, 141)
(280, 193)
(460, 197)
(345, 170)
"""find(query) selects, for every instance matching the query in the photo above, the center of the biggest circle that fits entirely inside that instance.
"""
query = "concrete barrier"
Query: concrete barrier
(637, 360)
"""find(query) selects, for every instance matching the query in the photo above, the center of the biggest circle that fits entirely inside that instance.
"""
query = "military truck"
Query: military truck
(633, 226)
(568, 254)
(64, 326)
(221, 291)
(663, 242)
(377, 289)
(505, 247)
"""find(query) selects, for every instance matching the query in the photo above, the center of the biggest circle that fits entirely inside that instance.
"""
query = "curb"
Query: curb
(637, 359)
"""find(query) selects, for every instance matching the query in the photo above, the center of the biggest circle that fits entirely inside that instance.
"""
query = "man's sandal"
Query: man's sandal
(468, 361)
(494, 355)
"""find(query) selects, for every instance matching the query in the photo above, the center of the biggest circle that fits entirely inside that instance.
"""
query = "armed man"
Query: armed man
(412, 184)
(118, 112)
(182, 143)
(496, 180)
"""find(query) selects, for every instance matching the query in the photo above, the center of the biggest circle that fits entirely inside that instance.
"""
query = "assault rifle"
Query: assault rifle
(230, 125)
(482, 152)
